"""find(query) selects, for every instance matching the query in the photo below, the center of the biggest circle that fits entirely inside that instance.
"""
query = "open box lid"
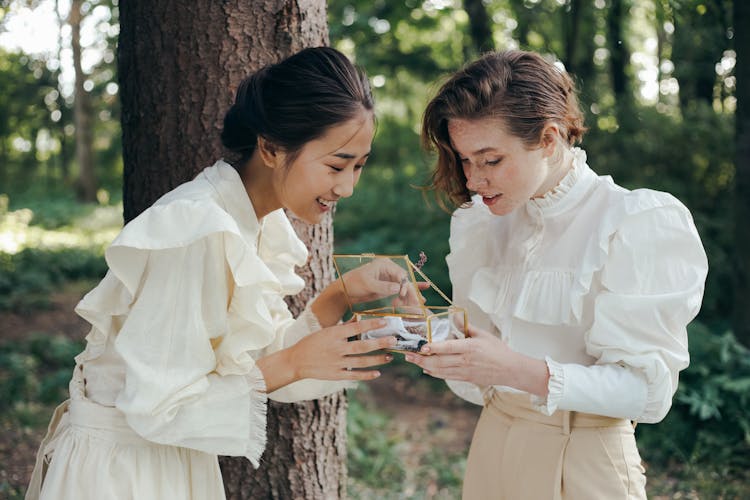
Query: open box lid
(391, 304)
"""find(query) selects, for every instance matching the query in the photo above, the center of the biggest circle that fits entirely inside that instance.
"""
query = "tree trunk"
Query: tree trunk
(571, 22)
(86, 184)
(619, 56)
(579, 32)
(62, 157)
(695, 50)
(306, 452)
(480, 26)
(179, 66)
(742, 174)
(660, 17)
(523, 15)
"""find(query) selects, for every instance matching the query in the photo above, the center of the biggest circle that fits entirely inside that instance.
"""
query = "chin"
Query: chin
(312, 219)
(502, 210)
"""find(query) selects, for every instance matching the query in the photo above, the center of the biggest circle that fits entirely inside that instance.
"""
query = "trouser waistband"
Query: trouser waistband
(519, 406)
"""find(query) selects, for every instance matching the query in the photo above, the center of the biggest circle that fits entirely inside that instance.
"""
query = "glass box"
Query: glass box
(415, 317)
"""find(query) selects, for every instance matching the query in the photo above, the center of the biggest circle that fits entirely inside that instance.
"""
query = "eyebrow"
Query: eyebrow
(477, 152)
(347, 156)
(484, 150)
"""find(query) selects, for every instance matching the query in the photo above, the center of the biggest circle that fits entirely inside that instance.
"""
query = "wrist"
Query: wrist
(330, 305)
(527, 374)
(279, 369)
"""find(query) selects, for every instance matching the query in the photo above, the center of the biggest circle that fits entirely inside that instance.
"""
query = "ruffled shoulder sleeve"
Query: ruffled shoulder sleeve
(653, 279)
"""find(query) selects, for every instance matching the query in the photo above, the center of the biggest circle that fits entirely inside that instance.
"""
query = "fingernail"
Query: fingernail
(389, 358)
(376, 375)
(424, 349)
(395, 289)
(409, 357)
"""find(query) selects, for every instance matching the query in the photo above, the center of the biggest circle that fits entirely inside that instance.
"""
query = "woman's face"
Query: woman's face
(326, 169)
(497, 165)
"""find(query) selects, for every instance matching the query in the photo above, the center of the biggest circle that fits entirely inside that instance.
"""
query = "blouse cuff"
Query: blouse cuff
(258, 408)
(654, 409)
(555, 386)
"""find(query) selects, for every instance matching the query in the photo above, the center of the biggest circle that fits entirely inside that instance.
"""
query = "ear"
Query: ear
(550, 138)
(270, 153)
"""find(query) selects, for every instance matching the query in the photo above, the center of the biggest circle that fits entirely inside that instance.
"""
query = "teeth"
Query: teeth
(326, 203)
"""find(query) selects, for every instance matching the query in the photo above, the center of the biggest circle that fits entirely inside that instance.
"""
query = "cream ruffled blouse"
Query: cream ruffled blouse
(597, 280)
(193, 295)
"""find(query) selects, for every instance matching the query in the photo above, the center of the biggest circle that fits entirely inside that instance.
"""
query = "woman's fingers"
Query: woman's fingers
(454, 346)
(437, 363)
(367, 361)
(358, 374)
(369, 345)
(355, 328)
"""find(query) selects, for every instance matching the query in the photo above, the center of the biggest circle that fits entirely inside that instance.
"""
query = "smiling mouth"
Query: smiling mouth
(326, 203)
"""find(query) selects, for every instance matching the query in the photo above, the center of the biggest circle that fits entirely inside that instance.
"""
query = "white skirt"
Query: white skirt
(90, 453)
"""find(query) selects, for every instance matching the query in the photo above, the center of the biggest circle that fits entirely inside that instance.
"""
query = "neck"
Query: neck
(258, 181)
(557, 171)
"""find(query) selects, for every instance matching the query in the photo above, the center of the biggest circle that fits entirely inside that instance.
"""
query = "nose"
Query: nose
(474, 180)
(344, 187)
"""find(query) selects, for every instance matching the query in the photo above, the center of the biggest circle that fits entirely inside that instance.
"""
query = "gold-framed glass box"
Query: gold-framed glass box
(415, 317)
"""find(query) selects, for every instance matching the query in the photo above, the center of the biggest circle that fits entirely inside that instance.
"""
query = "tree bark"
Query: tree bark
(742, 174)
(619, 55)
(179, 66)
(86, 184)
(480, 26)
(579, 31)
(306, 452)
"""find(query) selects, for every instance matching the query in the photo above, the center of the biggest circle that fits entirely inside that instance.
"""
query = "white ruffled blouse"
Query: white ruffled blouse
(599, 281)
(193, 296)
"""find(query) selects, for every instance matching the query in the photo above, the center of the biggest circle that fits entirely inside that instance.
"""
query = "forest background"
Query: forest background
(659, 86)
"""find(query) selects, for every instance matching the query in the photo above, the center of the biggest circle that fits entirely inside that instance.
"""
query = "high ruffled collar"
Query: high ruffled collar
(280, 247)
(569, 191)
(228, 184)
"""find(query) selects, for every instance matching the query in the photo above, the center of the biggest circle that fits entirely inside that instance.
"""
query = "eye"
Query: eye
(359, 167)
(337, 169)
(493, 162)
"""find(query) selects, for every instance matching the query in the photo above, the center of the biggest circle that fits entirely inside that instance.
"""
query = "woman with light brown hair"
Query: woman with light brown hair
(578, 290)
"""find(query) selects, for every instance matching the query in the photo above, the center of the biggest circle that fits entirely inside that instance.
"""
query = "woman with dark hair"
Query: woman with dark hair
(190, 333)
(578, 290)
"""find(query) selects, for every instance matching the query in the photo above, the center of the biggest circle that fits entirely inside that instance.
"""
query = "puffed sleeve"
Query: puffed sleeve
(652, 287)
(173, 394)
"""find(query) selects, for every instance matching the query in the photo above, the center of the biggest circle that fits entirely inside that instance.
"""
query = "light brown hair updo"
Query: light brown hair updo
(520, 88)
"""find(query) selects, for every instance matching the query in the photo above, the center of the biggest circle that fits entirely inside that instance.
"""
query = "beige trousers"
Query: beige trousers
(518, 453)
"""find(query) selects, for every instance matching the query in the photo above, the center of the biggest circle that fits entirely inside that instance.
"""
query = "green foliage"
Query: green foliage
(30, 276)
(709, 423)
(56, 242)
(35, 370)
(372, 457)
(37, 132)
